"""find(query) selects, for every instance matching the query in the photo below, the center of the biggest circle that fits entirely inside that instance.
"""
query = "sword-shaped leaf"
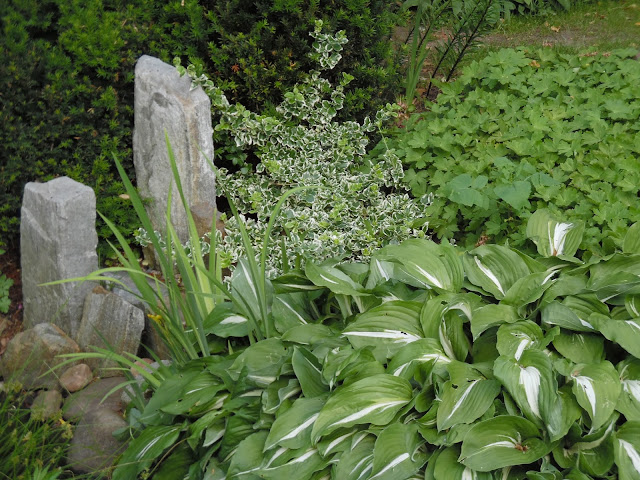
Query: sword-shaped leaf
(429, 265)
(374, 400)
(597, 388)
(494, 268)
(627, 451)
(629, 401)
(500, 442)
(292, 429)
(552, 237)
(396, 454)
(387, 328)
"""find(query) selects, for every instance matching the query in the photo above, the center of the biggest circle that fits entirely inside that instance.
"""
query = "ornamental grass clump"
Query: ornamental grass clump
(356, 206)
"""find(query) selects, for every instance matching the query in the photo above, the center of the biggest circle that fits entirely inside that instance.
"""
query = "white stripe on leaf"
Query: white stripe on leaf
(396, 461)
(530, 380)
(586, 384)
(632, 453)
(490, 275)
(560, 232)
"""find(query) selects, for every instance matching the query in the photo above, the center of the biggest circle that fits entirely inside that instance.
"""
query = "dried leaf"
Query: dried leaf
(555, 29)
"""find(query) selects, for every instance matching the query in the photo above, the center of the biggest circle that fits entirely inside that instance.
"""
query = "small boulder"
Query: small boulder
(46, 404)
(95, 396)
(32, 353)
(76, 377)
(94, 448)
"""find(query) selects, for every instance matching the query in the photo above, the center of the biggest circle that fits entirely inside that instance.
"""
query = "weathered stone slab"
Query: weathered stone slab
(33, 352)
(108, 322)
(94, 397)
(57, 241)
(165, 102)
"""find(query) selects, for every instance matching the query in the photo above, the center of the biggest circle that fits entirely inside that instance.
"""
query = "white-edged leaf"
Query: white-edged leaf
(374, 400)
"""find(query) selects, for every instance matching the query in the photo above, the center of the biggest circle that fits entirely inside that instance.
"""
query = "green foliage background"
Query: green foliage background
(66, 79)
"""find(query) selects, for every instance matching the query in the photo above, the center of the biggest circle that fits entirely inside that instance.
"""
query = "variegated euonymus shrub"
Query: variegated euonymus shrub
(428, 362)
(358, 205)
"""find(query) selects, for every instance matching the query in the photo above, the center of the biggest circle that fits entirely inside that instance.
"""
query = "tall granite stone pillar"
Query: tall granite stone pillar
(165, 102)
(57, 241)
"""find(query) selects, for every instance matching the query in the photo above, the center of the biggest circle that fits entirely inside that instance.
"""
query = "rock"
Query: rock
(165, 102)
(30, 354)
(46, 404)
(76, 377)
(57, 241)
(93, 397)
(109, 322)
(128, 393)
(93, 447)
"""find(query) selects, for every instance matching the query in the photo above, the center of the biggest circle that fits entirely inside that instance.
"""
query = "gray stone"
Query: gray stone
(76, 377)
(94, 449)
(94, 397)
(164, 102)
(32, 353)
(46, 404)
(57, 241)
(109, 322)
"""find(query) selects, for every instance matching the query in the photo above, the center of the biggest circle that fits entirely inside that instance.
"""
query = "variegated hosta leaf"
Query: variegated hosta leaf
(502, 441)
(595, 451)
(629, 401)
(618, 275)
(334, 279)
(292, 429)
(396, 453)
(494, 268)
(631, 242)
(563, 415)
(356, 463)
(552, 237)
(597, 388)
(580, 347)
(224, 322)
(627, 451)
(424, 350)
(289, 310)
(574, 313)
(632, 304)
(285, 463)
(492, 315)
(625, 333)
(244, 286)
(387, 328)
(514, 339)
(531, 382)
(279, 391)
(309, 372)
(314, 334)
(426, 264)
(336, 442)
(447, 467)
(465, 402)
(263, 360)
(443, 318)
(248, 457)
(143, 450)
(374, 400)
(529, 288)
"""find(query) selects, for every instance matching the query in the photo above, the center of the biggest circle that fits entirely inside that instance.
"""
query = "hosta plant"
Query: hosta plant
(428, 362)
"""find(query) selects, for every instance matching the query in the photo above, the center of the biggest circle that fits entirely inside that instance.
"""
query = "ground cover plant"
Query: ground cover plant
(522, 130)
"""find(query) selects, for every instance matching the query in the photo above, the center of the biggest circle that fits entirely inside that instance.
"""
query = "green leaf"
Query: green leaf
(387, 328)
(627, 451)
(500, 442)
(309, 373)
(494, 268)
(515, 338)
(289, 310)
(374, 400)
(396, 453)
(573, 313)
(464, 402)
(447, 467)
(492, 315)
(580, 347)
(143, 450)
(334, 279)
(263, 360)
(247, 459)
(631, 243)
(425, 350)
(516, 194)
(625, 333)
(224, 322)
(552, 237)
(299, 464)
(629, 401)
(597, 388)
(357, 462)
(292, 429)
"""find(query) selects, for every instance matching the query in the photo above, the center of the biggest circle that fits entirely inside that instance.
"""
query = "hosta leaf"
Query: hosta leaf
(631, 242)
(500, 442)
(625, 333)
(313, 334)
(629, 401)
(334, 279)
(515, 338)
(424, 350)
(374, 400)
(572, 314)
(338, 441)
(597, 387)
(595, 451)
(447, 467)
(263, 360)
(531, 382)
(298, 464)
(225, 322)
(580, 347)
(529, 288)
(429, 264)
(387, 328)
(357, 462)
(200, 390)
(562, 416)
(465, 402)
(289, 310)
(552, 237)
(396, 453)
(309, 373)
(292, 429)
(143, 450)
(494, 268)
(492, 315)
(627, 451)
